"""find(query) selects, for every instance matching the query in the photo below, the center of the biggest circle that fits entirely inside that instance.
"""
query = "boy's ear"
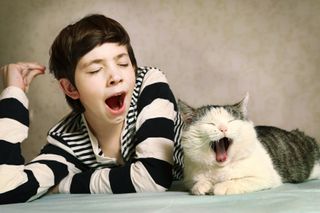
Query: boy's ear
(69, 89)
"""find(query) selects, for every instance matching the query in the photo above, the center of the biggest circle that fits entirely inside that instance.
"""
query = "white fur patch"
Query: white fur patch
(315, 173)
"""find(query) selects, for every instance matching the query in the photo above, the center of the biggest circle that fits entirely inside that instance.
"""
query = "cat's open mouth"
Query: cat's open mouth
(221, 147)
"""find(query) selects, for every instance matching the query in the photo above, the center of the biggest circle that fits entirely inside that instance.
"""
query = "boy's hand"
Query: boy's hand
(21, 74)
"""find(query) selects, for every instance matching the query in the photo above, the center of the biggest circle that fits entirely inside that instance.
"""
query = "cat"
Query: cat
(224, 153)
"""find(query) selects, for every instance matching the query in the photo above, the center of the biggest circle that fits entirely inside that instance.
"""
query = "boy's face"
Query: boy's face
(105, 79)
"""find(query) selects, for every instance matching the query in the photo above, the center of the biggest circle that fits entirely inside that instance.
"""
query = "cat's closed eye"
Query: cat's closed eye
(213, 124)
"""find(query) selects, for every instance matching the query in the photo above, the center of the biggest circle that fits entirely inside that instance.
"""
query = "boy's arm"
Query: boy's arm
(152, 168)
(19, 182)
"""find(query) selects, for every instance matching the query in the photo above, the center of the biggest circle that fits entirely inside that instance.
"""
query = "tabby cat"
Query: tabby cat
(224, 153)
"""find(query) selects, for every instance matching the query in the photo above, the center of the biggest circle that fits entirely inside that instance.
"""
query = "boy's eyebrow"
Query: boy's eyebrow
(95, 61)
(121, 55)
(100, 60)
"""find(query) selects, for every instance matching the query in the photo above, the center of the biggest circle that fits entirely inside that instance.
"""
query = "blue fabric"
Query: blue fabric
(289, 198)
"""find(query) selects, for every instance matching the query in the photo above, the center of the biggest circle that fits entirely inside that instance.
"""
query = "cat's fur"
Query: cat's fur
(248, 159)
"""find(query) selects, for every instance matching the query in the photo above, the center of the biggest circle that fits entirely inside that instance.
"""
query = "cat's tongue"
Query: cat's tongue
(221, 152)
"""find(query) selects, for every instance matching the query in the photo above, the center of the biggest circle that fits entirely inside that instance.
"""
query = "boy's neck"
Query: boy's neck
(108, 137)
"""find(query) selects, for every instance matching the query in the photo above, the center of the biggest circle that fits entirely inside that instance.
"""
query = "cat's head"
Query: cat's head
(216, 134)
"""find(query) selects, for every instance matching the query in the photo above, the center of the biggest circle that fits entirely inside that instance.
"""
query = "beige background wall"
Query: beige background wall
(211, 51)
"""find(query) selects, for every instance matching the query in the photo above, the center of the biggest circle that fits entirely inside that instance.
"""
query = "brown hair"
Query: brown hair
(76, 40)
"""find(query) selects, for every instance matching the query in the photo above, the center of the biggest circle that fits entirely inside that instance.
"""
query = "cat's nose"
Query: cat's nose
(223, 128)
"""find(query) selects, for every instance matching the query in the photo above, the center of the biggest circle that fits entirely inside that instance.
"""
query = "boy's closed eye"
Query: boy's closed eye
(94, 71)
(123, 64)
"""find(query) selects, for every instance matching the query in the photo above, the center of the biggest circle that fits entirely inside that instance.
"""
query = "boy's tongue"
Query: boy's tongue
(114, 102)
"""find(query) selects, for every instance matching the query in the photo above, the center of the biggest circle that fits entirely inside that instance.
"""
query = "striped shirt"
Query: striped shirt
(150, 147)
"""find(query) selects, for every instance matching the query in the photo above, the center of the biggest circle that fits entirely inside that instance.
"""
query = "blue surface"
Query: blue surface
(288, 198)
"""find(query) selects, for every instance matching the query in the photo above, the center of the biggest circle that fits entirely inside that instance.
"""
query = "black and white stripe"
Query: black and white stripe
(128, 148)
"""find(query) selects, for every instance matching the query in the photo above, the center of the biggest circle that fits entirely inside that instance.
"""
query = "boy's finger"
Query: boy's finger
(26, 67)
(32, 65)
(32, 74)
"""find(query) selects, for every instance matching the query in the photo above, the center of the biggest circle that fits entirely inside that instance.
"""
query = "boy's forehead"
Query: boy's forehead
(106, 51)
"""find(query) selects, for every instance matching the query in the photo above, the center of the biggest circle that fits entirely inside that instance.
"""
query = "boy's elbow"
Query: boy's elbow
(164, 185)
(157, 177)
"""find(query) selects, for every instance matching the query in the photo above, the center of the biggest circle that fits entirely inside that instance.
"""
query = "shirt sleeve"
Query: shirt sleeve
(20, 182)
(151, 168)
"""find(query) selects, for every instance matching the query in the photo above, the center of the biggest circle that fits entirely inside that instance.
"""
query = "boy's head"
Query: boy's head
(76, 40)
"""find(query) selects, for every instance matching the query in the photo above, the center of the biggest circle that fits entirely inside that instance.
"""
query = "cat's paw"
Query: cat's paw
(201, 188)
(227, 188)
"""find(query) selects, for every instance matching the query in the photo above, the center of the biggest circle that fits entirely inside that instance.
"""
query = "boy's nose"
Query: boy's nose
(114, 78)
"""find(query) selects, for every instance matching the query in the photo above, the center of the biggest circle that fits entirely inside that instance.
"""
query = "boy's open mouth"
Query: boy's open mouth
(220, 147)
(115, 103)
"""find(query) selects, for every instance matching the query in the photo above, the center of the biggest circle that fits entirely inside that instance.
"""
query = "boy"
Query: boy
(123, 134)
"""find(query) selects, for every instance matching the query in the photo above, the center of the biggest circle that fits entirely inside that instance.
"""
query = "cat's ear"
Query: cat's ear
(186, 111)
(242, 105)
